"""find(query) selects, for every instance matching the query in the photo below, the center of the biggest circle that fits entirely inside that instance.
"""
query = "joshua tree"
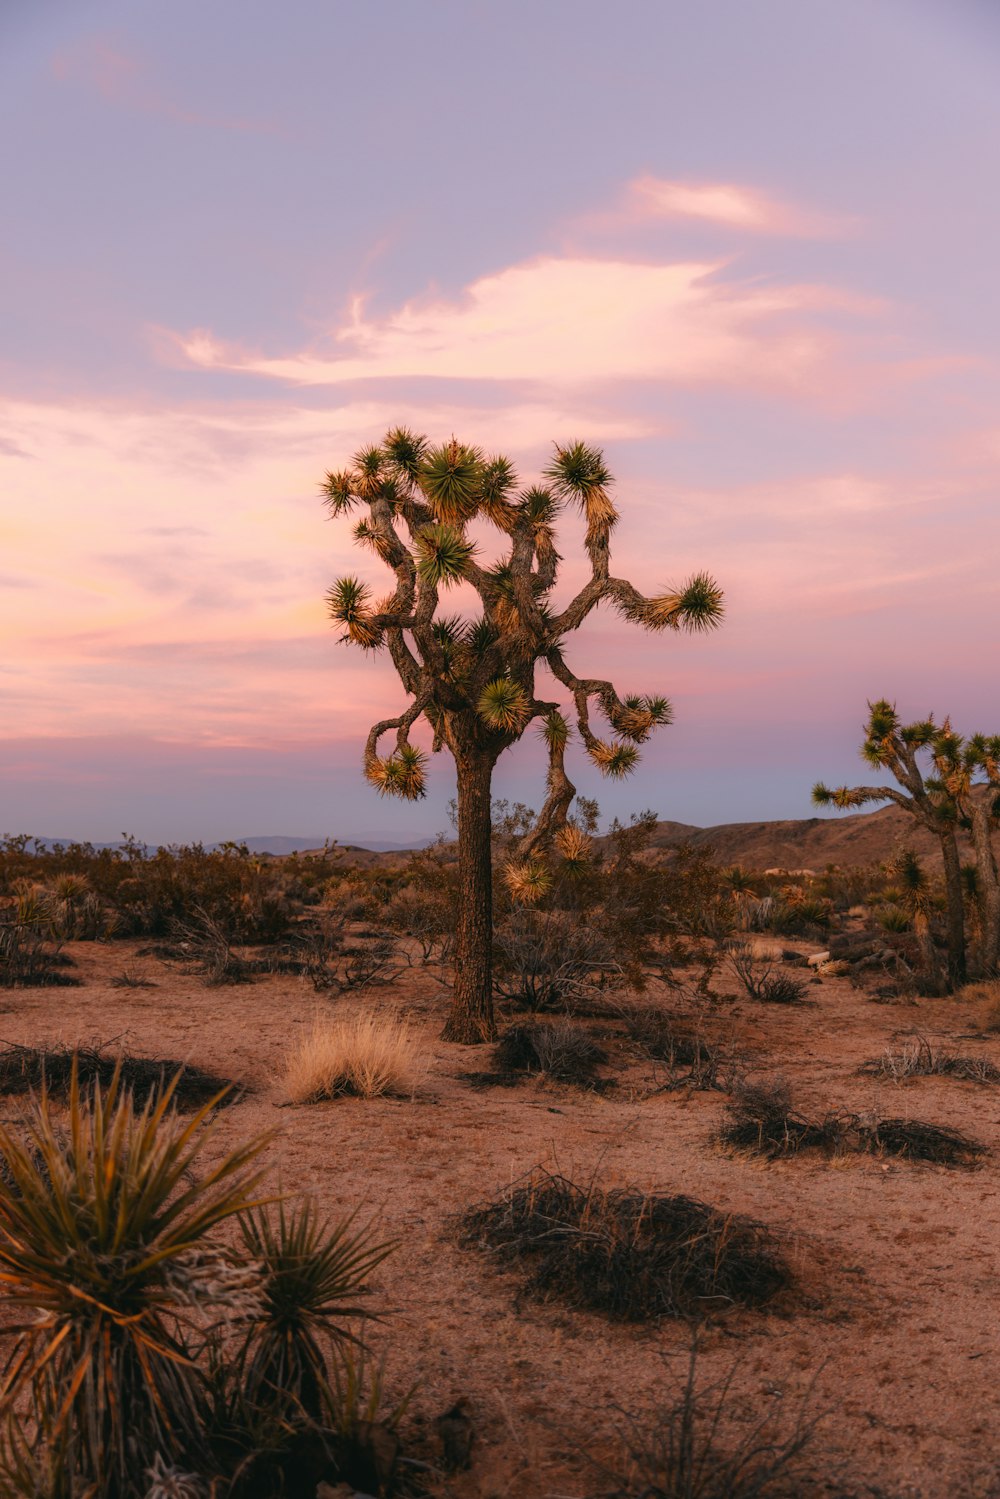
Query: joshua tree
(894, 746)
(473, 679)
(968, 771)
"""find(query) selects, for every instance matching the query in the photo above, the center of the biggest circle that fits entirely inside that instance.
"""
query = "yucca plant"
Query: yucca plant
(474, 681)
(314, 1278)
(102, 1246)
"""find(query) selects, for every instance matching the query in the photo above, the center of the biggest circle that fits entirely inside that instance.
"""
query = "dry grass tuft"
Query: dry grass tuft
(916, 1140)
(371, 1055)
(921, 1059)
(633, 1255)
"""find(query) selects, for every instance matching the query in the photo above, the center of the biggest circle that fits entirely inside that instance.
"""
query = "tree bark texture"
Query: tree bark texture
(956, 909)
(988, 889)
(471, 1020)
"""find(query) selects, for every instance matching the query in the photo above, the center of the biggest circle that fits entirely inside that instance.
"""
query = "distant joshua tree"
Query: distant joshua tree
(959, 788)
(473, 679)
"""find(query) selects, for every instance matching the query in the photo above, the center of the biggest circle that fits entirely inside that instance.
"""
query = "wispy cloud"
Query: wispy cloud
(123, 80)
(571, 322)
(729, 204)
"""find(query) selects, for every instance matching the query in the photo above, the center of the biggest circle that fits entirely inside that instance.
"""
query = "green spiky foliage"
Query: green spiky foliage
(946, 784)
(102, 1226)
(314, 1278)
(473, 681)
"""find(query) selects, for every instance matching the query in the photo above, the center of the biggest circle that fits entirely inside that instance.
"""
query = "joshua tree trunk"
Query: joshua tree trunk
(956, 909)
(471, 1019)
(988, 888)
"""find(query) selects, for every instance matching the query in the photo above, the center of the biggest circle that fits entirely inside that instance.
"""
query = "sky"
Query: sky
(749, 247)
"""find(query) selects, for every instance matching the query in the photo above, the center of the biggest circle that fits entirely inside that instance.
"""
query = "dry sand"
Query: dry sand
(898, 1262)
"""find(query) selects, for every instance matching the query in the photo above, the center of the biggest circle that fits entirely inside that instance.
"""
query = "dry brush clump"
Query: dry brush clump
(693, 1447)
(556, 1051)
(762, 982)
(680, 1044)
(635, 1256)
(369, 1055)
(922, 1059)
(761, 1119)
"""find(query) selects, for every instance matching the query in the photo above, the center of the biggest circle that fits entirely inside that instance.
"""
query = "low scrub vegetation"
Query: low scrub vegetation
(55, 1070)
(556, 1050)
(634, 1256)
(155, 1356)
(693, 1447)
(921, 1059)
(760, 1118)
(368, 1055)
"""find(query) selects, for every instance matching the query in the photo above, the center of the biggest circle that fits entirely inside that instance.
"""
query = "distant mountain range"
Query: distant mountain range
(804, 843)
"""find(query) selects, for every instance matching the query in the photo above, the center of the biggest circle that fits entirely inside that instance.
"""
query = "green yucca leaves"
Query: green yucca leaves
(337, 490)
(504, 705)
(555, 730)
(102, 1230)
(577, 470)
(451, 478)
(697, 607)
(497, 480)
(481, 635)
(402, 774)
(443, 554)
(613, 760)
(369, 464)
(405, 450)
(347, 603)
(312, 1277)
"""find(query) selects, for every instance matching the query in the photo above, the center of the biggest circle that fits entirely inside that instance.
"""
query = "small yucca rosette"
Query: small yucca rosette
(369, 534)
(579, 472)
(402, 774)
(347, 603)
(555, 730)
(527, 882)
(613, 760)
(338, 492)
(451, 478)
(443, 554)
(369, 466)
(405, 451)
(573, 844)
(504, 705)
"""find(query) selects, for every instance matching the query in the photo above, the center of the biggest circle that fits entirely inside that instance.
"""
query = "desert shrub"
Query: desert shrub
(921, 1059)
(548, 959)
(801, 916)
(369, 1055)
(893, 918)
(760, 1118)
(917, 1140)
(207, 944)
(156, 1359)
(556, 1050)
(692, 1447)
(29, 957)
(32, 1069)
(132, 978)
(762, 982)
(632, 1255)
(679, 1043)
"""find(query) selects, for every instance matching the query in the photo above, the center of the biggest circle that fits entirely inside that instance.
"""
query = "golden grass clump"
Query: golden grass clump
(371, 1055)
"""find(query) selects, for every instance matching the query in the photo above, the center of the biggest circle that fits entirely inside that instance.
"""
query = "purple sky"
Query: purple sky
(749, 246)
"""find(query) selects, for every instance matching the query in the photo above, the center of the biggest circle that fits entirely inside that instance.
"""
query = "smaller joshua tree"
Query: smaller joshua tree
(472, 679)
(968, 772)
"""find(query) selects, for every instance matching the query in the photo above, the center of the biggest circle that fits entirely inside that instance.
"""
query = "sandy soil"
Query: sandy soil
(895, 1326)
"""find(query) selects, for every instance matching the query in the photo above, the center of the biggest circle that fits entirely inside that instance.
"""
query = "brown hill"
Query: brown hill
(806, 843)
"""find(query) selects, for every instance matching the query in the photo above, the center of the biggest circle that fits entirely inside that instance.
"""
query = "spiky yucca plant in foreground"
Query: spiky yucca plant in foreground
(106, 1244)
(473, 680)
(102, 1240)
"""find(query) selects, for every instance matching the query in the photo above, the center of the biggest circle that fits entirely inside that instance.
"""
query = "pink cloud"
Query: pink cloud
(572, 321)
(733, 205)
(122, 80)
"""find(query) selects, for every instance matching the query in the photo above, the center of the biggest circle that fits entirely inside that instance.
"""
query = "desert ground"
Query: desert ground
(889, 1332)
